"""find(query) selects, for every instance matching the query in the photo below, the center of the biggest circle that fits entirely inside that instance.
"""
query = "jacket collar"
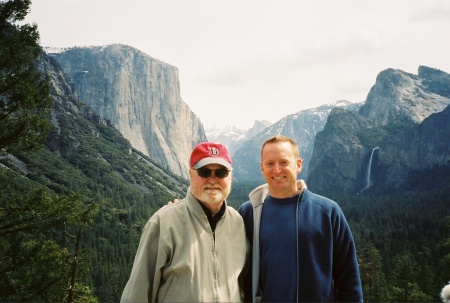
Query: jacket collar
(258, 195)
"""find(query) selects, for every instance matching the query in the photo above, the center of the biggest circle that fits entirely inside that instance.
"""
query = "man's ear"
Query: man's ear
(299, 165)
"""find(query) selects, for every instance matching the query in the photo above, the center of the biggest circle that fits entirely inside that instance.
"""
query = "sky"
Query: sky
(246, 60)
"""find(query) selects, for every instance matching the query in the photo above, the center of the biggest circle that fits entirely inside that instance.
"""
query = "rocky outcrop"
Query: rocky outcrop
(403, 128)
(403, 96)
(257, 127)
(140, 95)
(338, 152)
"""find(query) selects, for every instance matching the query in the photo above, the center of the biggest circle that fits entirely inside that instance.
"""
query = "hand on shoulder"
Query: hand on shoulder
(171, 202)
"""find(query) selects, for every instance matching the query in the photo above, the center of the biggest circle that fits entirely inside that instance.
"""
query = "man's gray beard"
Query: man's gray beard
(215, 199)
(212, 199)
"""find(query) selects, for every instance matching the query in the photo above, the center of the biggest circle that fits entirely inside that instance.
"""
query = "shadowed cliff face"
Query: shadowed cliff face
(140, 96)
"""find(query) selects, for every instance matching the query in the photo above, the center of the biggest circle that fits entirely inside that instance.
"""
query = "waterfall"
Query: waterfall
(369, 170)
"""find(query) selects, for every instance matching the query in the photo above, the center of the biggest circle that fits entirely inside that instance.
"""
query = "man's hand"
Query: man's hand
(171, 202)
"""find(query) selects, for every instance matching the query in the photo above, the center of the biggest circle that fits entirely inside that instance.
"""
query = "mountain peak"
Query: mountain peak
(233, 137)
(401, 95)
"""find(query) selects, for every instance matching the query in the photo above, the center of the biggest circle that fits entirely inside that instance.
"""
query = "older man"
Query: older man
(193, 250)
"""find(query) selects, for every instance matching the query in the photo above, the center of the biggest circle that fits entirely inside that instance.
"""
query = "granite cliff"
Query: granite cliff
(400, 95)
(140, 96)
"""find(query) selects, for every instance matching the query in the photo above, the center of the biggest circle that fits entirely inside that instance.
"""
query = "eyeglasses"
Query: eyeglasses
(206, 172)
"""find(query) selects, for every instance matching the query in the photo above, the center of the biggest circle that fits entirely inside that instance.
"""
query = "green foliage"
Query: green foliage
(33, 262)
(31, 270)
(84, 294)
(445, 244)
(406, 230)
(39, 212)
(405, 279)
(372, 275)
(397, 126)
(371, 137)
(374, 136)
(24, 92)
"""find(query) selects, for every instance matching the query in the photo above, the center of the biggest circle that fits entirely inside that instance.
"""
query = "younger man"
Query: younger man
(302, 246)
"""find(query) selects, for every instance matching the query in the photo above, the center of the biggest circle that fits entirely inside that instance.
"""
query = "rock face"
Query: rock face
(338, 154)
(401, 130)
(76, 126)
(140, 96)
(421, 147)
(399, 95)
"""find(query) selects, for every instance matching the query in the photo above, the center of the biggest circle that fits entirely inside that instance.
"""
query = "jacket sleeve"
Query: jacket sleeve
(246, 211)
(345, 266)
(146, 272)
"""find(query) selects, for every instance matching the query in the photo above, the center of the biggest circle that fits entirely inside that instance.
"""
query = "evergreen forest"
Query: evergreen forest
(74, 198)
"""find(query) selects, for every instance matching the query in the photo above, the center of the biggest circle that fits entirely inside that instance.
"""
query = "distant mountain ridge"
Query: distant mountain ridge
(232, 137)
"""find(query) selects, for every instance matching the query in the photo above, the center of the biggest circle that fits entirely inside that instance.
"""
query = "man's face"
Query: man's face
(280, 167)
(210, 190)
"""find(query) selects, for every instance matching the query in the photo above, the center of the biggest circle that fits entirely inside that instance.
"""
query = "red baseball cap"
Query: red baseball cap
(210, 153)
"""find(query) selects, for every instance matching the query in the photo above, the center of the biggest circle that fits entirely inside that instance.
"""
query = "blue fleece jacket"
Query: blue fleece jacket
(327, 268)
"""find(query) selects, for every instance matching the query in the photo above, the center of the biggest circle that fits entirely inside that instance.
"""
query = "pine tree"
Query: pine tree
(405, 280)
(372, 277)
(32, 261)
(24, 92)
(446, 248)
(34, 266)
